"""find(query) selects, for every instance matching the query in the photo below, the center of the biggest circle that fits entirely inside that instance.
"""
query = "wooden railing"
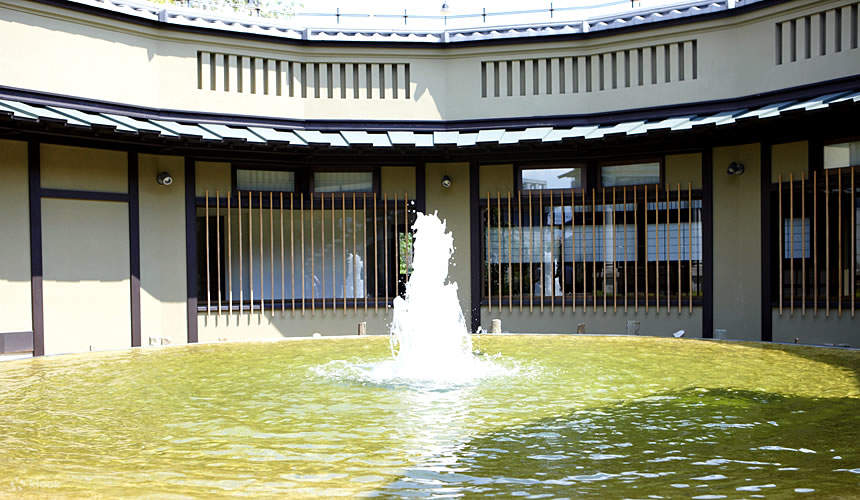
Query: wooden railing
(302, 252)
(620, 247)
(816, 249)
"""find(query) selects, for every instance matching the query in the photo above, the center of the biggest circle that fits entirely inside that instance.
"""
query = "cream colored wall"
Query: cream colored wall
(684, 169)
(791, 158)
(496, 179)
(211, 328)
(453, 207)
(816, 329)
(86, 275)
(213, 176)
(144, 65)
(397, 180)
(162, 250)
(84, 169)
(650, 323)
(15, 247)
(737, 243)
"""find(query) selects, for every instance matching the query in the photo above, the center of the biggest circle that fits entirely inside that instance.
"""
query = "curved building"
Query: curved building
(172, 176)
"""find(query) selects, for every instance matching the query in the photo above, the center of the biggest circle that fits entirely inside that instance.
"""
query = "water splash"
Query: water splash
(430, 343)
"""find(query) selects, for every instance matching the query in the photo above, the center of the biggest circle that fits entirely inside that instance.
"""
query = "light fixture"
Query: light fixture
(446, 182)
(735, 168)
(444, 9)
(164, 178)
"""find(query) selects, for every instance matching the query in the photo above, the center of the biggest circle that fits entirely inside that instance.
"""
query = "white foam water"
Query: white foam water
(430, 343)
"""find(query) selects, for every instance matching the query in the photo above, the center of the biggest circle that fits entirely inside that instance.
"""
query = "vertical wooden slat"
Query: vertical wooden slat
(802, 245)
(563, 263)
(322, 253)
(385, 245)
(826, 243)
(352, 264)
(218, 247)
(262, 286)
(239, 239)
(292, 261)
(666, 254)
(839, 240)
(690, 246)
(406, 232)
(520, 222)
(781, 231)
(603, 244)
(791, 240)
(364, 246)
(229, 258)
(499, 243)
(510, 262)
(302, 226)
(396, 251)
(489, 260)
(573, 249)
(343, 254)
(614, 257)
(250, 256)
(584, 261)
(271, 253)
(636, 253)
(334, 260)
(680, 295)
(531, 255)
(208, 274)
(593, 250)
(283, 270)
(657, 245)
(313, 271)
(853, 242)
(815, 241)
(551, 245)
(375, 260)
(624, 223)
(540, 253)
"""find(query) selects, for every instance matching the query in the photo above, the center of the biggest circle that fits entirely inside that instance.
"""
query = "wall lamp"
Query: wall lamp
(735, 168)
(164, 178)
(446, 182)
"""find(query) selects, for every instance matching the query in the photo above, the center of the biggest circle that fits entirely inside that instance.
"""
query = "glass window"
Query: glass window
(551, 178)
(840, 155)
(630, 175)
(265, 180)
(336, 182)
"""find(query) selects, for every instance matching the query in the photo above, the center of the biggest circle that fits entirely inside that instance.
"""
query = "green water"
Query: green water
(578, 416)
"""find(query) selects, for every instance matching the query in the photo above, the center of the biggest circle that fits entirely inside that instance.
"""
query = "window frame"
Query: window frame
(304, 175)
(660, 160)
(518, 175)
(819, 148)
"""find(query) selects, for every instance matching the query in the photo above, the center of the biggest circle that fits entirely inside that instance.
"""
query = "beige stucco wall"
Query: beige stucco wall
(453, 207)
(737, 243)
(816, 328)
(84, 169)
(212, 176)
(86, 275)
(162, 250)
(212, 328)
(15, 235)
(144, 65)
(684, 169)
(791, 158)
(397, 180)
(495, 179)
(650, 323)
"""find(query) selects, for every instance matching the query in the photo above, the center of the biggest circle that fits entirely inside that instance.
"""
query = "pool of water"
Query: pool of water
(562, 416)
